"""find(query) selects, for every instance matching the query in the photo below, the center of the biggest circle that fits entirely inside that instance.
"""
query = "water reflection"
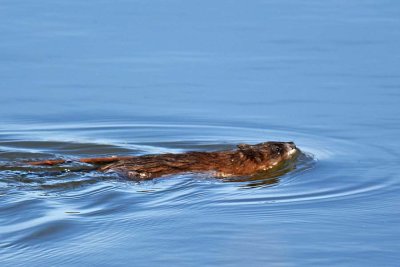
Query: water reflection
(271, 177)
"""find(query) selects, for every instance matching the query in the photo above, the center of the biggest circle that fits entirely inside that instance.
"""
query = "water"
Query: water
(81, 79)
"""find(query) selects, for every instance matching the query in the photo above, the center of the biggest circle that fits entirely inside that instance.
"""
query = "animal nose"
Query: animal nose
(291, 145)
(291, 148)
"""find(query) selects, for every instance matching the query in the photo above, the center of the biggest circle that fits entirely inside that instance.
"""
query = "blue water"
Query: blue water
(98, 78)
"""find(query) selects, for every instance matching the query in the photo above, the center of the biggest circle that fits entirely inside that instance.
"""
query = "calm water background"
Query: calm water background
(89, 78)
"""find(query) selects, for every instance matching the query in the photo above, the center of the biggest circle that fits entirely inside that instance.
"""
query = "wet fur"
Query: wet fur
(245, 160)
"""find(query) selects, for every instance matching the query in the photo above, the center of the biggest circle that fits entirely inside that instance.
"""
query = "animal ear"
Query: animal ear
(250, 153)
(243, 147)
(244, 150)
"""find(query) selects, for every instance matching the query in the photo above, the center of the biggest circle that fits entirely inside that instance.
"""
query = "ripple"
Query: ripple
(58, 200)
(159, 138)
(43, 205)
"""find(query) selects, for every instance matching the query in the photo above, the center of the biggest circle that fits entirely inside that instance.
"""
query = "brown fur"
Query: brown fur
(245, 160)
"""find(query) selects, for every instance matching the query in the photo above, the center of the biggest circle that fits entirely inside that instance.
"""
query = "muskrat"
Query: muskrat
(245, 160)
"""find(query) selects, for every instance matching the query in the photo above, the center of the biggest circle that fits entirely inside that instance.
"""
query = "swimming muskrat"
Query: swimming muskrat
(245, 160)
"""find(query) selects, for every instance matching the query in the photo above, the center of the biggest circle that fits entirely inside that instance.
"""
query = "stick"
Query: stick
(83, 160)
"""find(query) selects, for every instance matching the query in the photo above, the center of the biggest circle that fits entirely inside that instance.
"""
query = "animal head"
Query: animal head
(269, 154)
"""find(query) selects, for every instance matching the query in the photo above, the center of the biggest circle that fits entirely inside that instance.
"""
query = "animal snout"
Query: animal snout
(291, 148)
(291, 145)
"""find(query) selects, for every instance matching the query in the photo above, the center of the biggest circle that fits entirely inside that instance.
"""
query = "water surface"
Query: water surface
(138, 77)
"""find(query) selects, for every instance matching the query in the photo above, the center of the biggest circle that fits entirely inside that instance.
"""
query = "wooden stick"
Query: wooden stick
(83, 160)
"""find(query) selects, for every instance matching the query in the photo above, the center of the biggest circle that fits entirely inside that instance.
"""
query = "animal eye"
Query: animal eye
(276, 149)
